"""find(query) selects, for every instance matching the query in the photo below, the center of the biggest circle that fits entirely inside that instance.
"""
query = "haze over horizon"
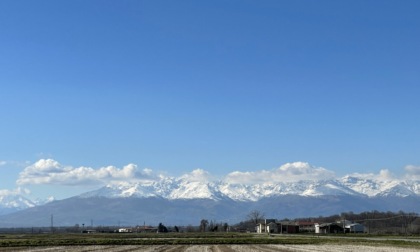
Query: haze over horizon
(95, 92)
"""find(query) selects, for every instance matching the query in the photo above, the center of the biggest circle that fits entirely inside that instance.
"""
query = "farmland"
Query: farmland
(223, 242)
(216, 248)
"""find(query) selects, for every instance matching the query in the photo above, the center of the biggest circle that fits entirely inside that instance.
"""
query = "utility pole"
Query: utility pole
(52, 223)
(343, 219)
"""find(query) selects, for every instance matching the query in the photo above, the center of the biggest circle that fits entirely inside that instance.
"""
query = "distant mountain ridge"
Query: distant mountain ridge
(183, 189)
(181, 201)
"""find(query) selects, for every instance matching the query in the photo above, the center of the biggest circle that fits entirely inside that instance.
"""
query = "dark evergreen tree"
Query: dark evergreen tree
(225, 227)
(162, 228)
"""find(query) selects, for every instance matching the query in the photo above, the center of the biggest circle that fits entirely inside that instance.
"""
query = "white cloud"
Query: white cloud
(49, 171)
(382, 175)
(412, 172)
(17, 191)
(286, 173)
(2, 163)
(197, 175)
(147, 171)
(385, 174)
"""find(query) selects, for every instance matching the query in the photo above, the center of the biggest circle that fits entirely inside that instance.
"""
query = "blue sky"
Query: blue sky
(223, 86)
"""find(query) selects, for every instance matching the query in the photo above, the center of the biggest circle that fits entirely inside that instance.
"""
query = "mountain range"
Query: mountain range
(181, 201)
(179, 188)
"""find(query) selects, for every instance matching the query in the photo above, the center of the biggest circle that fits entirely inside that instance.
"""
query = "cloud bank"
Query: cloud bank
(49, 171)
(382, 175)
(289, 172)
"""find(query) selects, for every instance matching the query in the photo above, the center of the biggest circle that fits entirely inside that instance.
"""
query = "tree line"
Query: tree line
(375, 222)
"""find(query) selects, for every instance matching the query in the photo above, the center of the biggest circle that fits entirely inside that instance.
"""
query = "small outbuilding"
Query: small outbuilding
(339, 227)
(274, 227)
(125, 230)
(328, 228)
(355, 228)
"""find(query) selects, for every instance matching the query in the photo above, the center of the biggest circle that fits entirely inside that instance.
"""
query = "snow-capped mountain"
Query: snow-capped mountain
(180, 188)
(185, 189)
(166, 188)
(374, 188)
(12, 201)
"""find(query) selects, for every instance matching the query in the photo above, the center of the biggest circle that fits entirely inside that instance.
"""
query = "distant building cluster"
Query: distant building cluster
(293, 227)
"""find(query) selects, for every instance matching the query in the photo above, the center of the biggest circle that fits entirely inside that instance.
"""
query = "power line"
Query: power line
(388, 218)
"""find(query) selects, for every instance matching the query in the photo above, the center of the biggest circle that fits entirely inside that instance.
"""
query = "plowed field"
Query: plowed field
(217, 248)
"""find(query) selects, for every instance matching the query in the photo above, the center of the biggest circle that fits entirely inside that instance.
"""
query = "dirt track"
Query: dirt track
(218, 248)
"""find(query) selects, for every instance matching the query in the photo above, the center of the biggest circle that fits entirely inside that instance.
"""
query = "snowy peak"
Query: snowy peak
(331, 187)
(167, 188)
(399, 189)
(194, 190)
(372, 188)
(14, 202)
(124, 190)
(239, 192)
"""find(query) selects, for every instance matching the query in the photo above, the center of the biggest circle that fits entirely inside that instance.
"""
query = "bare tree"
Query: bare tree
(255, 216)
(190, 228)
(203, 225)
